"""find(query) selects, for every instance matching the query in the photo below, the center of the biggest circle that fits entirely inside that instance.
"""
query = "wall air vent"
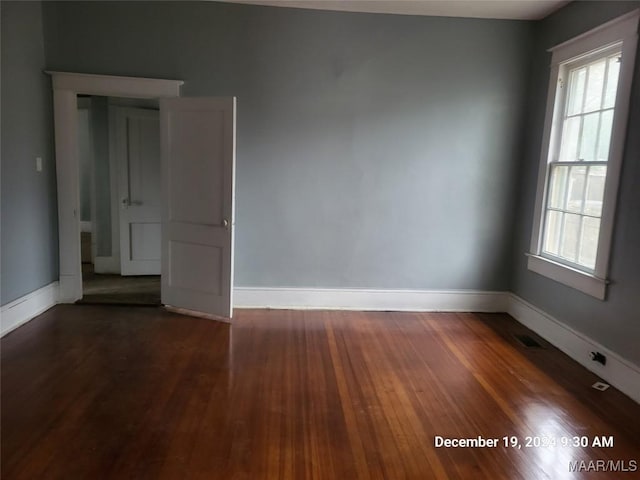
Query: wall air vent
(527, 341)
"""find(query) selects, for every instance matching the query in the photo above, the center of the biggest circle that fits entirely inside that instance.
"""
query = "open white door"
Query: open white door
(198, 171)
(138, 156)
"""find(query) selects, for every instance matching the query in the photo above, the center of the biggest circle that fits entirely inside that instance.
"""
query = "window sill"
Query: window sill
(585, 282)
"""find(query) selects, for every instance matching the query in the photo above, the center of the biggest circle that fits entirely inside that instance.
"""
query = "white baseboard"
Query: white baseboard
(620, 373)
(370, 300)
(25, 308)
(107, 265)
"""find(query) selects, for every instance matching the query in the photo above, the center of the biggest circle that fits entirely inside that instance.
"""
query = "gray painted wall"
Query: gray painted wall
(29, 238)
(615, 323)
(373, 150)
(85, 159)
(100, 133)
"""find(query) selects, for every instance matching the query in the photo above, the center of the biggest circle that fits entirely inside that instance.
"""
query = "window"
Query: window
(578, 169)
(582, 155)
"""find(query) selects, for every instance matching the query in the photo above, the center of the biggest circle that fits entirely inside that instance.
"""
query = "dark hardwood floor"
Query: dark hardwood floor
(92, 392)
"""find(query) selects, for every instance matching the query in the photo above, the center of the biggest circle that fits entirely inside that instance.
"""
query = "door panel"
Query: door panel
(138, 144)
(198, 202)
(191, 266)
(198, 163)
(145, 241)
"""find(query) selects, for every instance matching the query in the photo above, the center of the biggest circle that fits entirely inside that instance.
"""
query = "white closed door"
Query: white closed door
(198, 165)
(138, 157)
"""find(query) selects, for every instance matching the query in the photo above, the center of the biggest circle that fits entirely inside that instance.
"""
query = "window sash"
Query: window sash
(560, 114)
(561, 109)
(578, 247)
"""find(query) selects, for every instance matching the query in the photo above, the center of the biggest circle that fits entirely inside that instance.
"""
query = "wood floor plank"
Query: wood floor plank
(121, 392)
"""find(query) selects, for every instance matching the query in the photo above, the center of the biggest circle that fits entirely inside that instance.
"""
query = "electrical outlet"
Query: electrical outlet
(38, 164)
(598, 357)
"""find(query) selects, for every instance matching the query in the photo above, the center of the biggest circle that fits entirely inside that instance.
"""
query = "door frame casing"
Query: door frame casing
(66, 87)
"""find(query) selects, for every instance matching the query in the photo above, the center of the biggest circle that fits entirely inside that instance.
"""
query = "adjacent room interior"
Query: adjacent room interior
(119, 160)
(380, 239)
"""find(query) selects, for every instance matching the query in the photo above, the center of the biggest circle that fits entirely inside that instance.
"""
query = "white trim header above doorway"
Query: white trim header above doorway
(115, 86)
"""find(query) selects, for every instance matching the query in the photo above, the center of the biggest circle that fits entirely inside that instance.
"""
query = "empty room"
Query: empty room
(320, 239)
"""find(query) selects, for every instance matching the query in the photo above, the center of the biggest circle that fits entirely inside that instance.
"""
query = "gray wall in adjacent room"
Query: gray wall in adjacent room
(29, 240)
(85, 160)
(615, 323)
(100, 134)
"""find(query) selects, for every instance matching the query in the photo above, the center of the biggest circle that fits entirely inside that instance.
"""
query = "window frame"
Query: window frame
(584, 48)
(553, 159)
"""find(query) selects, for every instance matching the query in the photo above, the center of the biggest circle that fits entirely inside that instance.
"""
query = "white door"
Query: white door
(138, 156)
(198, 165)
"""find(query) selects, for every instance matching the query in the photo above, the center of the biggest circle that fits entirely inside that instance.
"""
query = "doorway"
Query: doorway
(120, 200)
(197, 143)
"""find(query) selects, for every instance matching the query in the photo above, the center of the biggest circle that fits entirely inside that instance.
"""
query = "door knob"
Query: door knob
(225, 223)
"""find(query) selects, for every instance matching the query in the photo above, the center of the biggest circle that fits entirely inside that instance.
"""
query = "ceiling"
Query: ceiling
(503, 9)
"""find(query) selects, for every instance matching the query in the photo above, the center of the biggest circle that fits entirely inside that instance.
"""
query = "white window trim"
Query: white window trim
(623, 30)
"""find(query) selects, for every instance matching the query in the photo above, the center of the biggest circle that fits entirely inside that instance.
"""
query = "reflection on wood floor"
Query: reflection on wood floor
(118, 392)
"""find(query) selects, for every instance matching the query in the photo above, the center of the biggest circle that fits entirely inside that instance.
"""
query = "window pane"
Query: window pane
(569, 240)
(552, 232)
(606, 122)
(589, 136)
(595, 83)
(589, 242)
(575, 190)
(570, 131)
(595, 190)
(576, 90)
(612, 82)
(558, 187)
